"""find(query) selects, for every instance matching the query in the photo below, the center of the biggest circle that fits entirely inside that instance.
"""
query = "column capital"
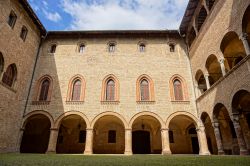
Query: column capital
(221, 60)
(164, 129)
(206, 74)
(243, 36)
(54, 129)
(200, 128)
(22, 129)
(89, 129)
(216, 124)
(128, 129)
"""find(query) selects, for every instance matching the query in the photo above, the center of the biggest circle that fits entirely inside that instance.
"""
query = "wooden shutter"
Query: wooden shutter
(110, 90)
(44, 90)
(76, 92)
(178, 90)
(144, 90)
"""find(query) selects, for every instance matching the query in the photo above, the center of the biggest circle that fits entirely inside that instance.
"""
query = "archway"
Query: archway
(226, 130)
(232, 49)
(246, 23)
(109, 135)
(183, 136)
(213, 68)
(146, 135)
(201, 82)
(72, 135)
(241, 108)
(36, 134)
(201, 18)
(211, 141)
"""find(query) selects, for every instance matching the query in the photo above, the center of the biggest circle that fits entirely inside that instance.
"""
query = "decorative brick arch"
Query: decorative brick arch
(104, 87)
(151, 88)
(71, 84)
(38, 87)
(146, 113)
(182, 113)
(38, 112)
(119, 116)
(183, 84)
(61, 117)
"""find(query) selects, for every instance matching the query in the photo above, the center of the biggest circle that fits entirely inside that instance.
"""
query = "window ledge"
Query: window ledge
(74, 102)
(110, 102)
(40, 102)
(6, 86)
(180, 101)
(145, 102)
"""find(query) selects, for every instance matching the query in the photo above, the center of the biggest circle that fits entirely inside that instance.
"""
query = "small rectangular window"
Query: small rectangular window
(24, 33)
(142, 47)
(112, 136)
(82, 136)
(53, 48)
(172, 47)
(171, 136)
(81, 48)
(112, 47)
(12, 19)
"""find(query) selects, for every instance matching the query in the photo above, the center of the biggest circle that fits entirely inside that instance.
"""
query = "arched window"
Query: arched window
(178, 92)
(10, 75)
(144, 88)
(142, 47)
(110, 90)
(76, 92)
(111, 47)
(81, 48)
(23, 33)
(44, 90)
(53, 48)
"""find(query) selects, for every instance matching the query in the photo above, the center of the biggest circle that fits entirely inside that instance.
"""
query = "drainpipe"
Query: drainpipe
(33, 72)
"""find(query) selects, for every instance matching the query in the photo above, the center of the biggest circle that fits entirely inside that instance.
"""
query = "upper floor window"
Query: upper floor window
(142, 47)
(110, 90)
(171, 47)
(81, 48)
(76, 89)
(76, 92)
(23, 33)
(44, 90)
(10, 75)
(144, 87)
(12, 19)
(111, 47)
(178, 92)
(53, 48)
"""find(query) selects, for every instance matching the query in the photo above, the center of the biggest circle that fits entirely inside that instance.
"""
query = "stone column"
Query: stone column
(240, 138)
(202, 141)
(222, 66)
(128, 142)
(89, 142)
(165, 142)
(218, 138)
(52, 141)
(207, 80)
(243, 38)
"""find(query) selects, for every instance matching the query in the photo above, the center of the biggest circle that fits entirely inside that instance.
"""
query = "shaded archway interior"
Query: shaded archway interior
(146, 135)
(71, 135)
(213, 68)
(36, 134)
(201, 82)
(246, 24)
(109, 135)
(183, 136)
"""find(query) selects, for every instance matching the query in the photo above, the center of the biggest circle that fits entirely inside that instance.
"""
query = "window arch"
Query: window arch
(44, 88)
(110, 89)
(178, 89)
(81, 48)
(24, 33)
(145, 89)
(76, 90)
(10, 75)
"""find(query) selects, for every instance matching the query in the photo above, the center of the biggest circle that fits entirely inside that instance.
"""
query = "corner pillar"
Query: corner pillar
(202, 141)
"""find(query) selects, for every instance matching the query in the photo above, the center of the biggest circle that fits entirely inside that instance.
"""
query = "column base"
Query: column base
(128, 153)
(221, 152)
(204, 153)
(244, 152)
(88, 153)
(166, 152)
(50, 152)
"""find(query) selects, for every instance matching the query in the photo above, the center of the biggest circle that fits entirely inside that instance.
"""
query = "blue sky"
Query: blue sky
(109, 14)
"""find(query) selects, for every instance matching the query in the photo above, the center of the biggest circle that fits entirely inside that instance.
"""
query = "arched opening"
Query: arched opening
(246, 24)
(213, 68)
(201, 82)
(146, 135)
(110, 90)
(191, 36)
(144, 90)
(201, 18)
(36, 134)
(71, 135)
(211, 141)
(185, 140)
(109, 135)
(232, 49)
(44, 90)
(241, 107)
(76, 91)
(226, 129)
(10, 75)
(178, 90)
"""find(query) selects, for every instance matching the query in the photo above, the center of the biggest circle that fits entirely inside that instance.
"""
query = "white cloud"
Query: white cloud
(52, 16)
(124, 14)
